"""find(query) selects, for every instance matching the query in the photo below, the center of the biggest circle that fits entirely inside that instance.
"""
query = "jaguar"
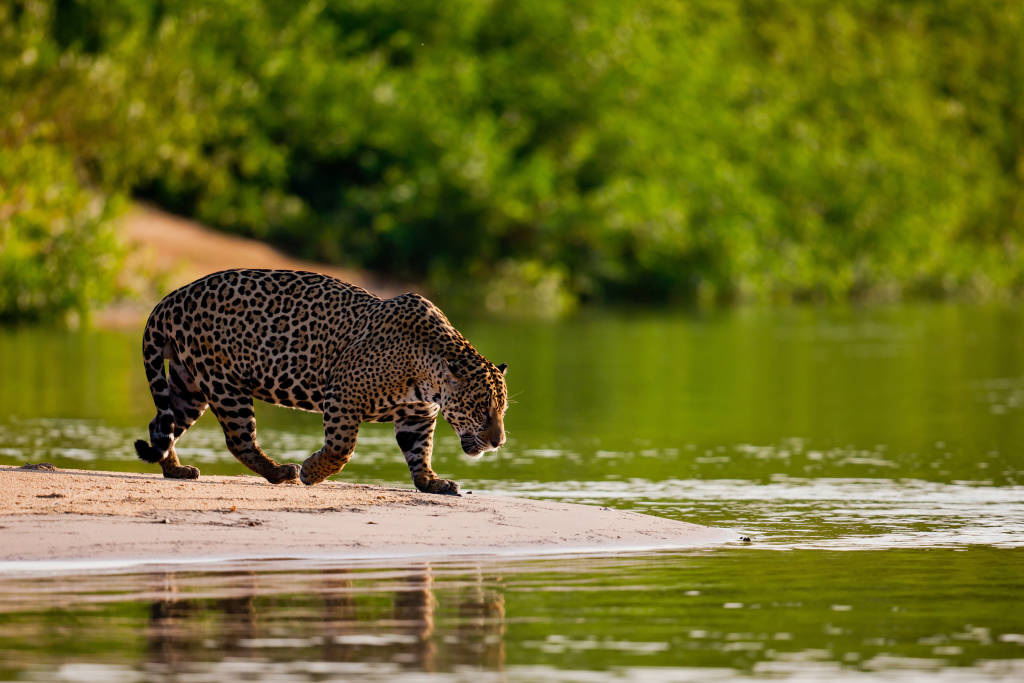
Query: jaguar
(312, 342)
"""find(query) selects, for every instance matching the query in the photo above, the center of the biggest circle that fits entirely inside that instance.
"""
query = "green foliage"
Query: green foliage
(58, 253)
(654, 150)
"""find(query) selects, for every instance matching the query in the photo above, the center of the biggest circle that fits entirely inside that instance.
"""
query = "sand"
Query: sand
(57, 517)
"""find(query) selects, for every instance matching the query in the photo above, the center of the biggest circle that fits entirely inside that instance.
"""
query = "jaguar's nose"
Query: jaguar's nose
(494, 434)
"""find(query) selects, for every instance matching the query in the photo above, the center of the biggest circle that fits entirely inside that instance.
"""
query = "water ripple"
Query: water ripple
(831, 513)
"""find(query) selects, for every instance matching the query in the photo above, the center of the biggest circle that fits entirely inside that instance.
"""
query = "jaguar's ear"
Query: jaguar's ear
(503, 367)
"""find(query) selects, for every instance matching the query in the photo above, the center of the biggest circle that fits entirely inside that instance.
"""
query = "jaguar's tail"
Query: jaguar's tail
(147, 452)
(154, 351)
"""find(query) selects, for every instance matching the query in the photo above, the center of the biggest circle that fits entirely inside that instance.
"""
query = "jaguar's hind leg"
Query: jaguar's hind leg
(168, 460)
(185, 404)
(173, 469)
(235, 413)
(188, 405)
(340, 431)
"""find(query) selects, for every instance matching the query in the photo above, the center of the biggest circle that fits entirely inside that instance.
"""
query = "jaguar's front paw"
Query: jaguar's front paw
(445, 487)
(283, 473)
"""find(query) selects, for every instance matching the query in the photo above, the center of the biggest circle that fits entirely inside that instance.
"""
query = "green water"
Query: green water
(875, 455)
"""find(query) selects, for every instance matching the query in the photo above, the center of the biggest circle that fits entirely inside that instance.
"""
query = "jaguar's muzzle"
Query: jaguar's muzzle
(474, 446)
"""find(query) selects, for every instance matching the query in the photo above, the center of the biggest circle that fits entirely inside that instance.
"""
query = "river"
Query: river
(874, 455)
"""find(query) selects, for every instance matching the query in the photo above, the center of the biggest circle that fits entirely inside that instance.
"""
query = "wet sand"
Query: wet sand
(78, 516)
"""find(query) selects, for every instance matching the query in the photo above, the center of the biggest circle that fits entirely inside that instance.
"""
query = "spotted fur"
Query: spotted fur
(312, 342)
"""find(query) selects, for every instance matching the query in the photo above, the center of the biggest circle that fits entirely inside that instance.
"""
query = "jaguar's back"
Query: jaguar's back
(270, 332)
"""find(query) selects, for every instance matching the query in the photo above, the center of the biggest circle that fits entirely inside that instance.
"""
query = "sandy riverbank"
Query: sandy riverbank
(81, 516)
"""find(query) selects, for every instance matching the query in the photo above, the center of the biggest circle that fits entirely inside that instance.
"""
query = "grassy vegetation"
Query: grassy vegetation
(528, 153)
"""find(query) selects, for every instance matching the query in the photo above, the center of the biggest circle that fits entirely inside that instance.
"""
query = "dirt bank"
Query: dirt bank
(167, 251)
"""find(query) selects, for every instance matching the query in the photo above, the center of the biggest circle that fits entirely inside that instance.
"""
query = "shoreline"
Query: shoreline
(65, 520)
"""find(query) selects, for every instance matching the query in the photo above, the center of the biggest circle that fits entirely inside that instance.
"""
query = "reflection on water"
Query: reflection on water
(892, 432)
(386, 627)
(246, 619)
(665, 616)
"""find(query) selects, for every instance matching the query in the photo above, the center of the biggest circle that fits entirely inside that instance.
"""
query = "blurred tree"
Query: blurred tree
(545, 152)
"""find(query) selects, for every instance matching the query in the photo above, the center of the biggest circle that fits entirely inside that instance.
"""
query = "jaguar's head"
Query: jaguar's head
(474, 401)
